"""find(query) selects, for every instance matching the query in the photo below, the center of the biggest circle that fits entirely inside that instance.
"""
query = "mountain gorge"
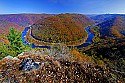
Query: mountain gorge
(102, 61)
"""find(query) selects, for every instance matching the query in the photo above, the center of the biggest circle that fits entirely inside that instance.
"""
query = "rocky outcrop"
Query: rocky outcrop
(44, 68)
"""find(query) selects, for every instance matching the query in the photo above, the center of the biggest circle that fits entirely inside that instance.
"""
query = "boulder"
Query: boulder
(29, 64)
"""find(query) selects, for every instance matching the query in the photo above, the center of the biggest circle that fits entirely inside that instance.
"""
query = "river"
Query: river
(25, 42)
(89, 39)
(85, 44)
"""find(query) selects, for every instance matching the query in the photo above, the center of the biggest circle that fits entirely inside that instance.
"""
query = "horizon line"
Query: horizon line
(62, 13)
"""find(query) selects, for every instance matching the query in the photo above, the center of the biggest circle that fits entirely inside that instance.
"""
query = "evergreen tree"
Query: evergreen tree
(15, 40)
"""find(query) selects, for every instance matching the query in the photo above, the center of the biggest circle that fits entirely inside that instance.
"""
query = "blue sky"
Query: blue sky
(62, 6)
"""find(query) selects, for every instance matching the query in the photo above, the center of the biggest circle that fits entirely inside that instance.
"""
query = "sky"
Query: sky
(62, 6)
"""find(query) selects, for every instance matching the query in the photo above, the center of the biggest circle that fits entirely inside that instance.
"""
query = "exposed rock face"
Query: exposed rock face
(28, 64)
(9, 57)
(21, 54)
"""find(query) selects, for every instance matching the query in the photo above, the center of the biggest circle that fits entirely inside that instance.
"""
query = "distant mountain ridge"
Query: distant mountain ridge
(103, 17)
(23, 19)
(114, 26)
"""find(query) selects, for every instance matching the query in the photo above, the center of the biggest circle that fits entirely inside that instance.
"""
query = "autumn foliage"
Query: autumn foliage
(80, 57)
(61, 28)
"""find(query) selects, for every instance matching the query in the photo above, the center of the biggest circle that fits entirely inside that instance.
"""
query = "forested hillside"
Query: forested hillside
(61, 28)
(5, 27)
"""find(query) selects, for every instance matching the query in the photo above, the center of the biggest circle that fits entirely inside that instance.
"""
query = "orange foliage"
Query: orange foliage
(80, 57)
(115, 32)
